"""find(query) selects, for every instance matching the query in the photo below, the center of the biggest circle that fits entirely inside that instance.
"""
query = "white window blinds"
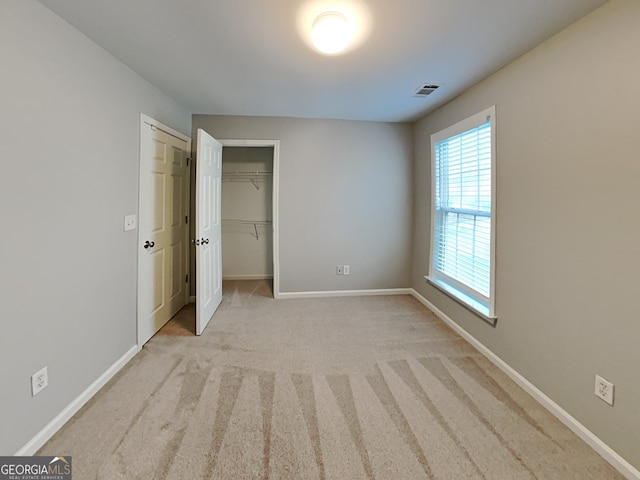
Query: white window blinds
(461, 256)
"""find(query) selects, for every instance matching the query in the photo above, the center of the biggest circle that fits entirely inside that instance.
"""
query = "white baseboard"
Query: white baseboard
(32, 446)
(247, 277)
(345, 293)
(610, 455)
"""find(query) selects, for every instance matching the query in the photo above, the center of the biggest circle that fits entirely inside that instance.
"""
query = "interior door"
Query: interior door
(163, 232)
(208, 229)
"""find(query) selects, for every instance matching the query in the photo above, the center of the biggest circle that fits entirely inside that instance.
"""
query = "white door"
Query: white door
(163, 230)
(208, 229)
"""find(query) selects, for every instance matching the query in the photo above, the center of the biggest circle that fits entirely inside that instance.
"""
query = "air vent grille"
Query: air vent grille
(426, 89)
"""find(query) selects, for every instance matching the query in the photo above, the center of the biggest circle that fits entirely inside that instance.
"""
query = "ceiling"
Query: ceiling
(246, 57)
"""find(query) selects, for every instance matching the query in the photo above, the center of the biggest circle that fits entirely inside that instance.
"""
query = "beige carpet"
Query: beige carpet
(344, 388)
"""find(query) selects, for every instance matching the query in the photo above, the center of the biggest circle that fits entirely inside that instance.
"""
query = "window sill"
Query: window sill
(457, 296)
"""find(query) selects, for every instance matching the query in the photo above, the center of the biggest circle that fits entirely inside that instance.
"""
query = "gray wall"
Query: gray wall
(69, 150)
(568, 241)
(345, 198)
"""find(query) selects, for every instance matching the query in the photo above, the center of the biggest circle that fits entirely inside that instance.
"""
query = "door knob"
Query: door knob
(205, 241)
(149, 244)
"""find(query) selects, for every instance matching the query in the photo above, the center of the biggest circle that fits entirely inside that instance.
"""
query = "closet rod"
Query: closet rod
(154, 128)
(255, 173)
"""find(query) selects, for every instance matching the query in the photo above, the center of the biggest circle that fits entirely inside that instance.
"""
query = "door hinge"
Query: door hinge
(188, 161)
(186, 279)
(186, 219)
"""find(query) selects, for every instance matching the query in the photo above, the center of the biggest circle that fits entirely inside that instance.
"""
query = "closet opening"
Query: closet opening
(247, 195)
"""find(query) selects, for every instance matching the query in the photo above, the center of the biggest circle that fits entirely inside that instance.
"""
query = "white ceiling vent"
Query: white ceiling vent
(426, 89)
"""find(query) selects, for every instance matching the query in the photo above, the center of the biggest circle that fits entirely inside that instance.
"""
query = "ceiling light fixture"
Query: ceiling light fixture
(334, 27)
(331, 33)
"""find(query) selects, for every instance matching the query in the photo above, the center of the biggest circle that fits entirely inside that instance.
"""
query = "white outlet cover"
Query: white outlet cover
(130, 223)
(604, 390)
(39, 381)
(345, 269)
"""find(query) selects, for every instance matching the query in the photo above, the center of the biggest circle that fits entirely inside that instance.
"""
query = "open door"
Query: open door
(208, 239)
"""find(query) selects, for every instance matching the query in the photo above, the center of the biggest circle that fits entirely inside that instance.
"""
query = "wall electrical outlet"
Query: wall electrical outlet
(604, 390)
(345, 269)
(339, 270)
(39, 381)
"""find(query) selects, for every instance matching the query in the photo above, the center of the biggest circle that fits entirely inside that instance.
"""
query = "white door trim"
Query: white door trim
(276, 176)
(146, 121)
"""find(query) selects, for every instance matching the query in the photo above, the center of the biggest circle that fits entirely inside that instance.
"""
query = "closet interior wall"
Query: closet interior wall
(247, 231)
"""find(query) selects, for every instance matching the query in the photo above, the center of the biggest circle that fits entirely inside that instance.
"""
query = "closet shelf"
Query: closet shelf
(240, 222)
(255, 177)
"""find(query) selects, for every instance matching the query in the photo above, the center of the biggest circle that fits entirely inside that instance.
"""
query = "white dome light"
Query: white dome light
(331, 33)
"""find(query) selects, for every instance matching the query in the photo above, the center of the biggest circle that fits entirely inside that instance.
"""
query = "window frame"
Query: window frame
(485, 310)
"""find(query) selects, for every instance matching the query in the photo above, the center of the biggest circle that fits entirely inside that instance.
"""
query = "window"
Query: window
(462, 212)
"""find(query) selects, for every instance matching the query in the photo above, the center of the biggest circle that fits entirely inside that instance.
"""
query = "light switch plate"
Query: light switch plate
(130, 223)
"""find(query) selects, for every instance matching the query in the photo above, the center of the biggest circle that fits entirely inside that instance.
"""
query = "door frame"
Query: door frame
(145, 122)
(275, 144)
